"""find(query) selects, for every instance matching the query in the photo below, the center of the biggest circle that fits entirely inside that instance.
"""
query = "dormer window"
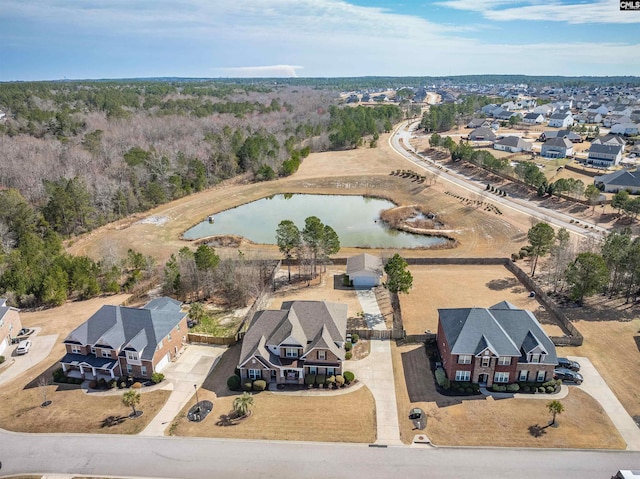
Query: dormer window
(291, 352)
(322, 355)
(75, 349)
(106, 353)
(132, 355)
(534, 358)
(93, 350)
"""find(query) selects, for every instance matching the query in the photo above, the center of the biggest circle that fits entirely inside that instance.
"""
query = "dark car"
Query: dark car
(568, 364)
(567, 375)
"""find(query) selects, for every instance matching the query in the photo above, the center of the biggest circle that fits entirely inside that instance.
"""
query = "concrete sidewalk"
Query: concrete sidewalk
(189, 370)
(597, 388)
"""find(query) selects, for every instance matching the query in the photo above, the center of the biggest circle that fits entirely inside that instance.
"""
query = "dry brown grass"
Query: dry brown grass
(463, 287)
(349, 417)
(483, 421)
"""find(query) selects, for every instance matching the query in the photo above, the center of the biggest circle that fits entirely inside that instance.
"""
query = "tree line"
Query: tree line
(447, 115)
(348, 126)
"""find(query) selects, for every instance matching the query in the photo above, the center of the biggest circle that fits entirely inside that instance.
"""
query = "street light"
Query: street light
(195, 386)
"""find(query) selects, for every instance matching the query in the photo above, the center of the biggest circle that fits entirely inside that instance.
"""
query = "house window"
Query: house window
(106, 353)
(501, 378)
(169, 337)
(143, 371)
(322, 355)
(93, 350)
(76, 349)
(132, 355)
(463, 375)
(129, 369)
(291, 352)
(534, 358)
(464, 359)
(313, 370)
(178, 327)
(504, 360)
(524, 375)
(331, 371)
(541, 376)
(486, 362)
(255, 373)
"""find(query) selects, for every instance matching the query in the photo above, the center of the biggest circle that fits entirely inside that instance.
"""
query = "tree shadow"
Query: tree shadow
(338, 283)
(502, 284)
(216, 381)
(637, 340)
(111, 421)
(537, 431)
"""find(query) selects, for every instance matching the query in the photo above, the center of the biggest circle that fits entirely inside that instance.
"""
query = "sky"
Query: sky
(86, 39)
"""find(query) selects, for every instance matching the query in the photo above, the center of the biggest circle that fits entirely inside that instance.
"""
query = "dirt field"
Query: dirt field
(349, 417)
(463, 287)
(480, 421)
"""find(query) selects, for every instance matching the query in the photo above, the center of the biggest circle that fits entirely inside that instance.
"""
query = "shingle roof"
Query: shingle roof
(514, 141)
(483, 131)
(559, 142)
(364, 262)
(622, 178)
(503, 328)
(608, 149)
(165, 303)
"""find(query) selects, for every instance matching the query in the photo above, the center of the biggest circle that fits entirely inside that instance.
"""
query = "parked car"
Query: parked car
(567, 375)
(23, 347)
(568, 364)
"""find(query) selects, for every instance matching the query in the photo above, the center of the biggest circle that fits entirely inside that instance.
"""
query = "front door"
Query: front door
(483, 378)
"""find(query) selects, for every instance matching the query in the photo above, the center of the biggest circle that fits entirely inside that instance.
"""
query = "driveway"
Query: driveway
(40, 348)
(376, 371)
(597, 388)
(189, 370)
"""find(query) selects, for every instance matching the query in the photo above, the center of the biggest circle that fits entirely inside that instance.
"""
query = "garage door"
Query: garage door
(364, 282)
(3, 345)
(163, 363)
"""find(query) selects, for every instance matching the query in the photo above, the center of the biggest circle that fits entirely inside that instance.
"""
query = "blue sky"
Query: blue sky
(55, 39)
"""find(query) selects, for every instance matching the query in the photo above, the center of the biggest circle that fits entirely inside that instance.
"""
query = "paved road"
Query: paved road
(543, 214)
(596, 387)
(192, 458)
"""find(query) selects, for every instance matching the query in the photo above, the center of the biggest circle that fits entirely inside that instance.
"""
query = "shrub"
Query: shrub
(541, 389)
(339, 380)
(259, 385)
(526, 389)
(102, 383)
(233, 383)
(58, 374)
(348, 346)
(136, 385)
(354, 338)
(93, 384)
(348, 355)
(62, 379)
(515, 257)
(1, 359)
(310, 379)
(330, 381)
(320, 379)
(513, 388)
(349, 377)
(122, 385)
(468, 390)
(113, 383)
(247, 386)
(441, 378)
(550, 389)
(157, 378)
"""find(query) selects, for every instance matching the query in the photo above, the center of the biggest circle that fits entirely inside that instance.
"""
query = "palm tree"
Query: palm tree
(131, 398)
(241, 404)
(555, 407)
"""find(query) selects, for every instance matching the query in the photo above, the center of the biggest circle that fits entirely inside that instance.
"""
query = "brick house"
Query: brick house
(300, 338)
(500, 344)
(120, 341)
(10, 325)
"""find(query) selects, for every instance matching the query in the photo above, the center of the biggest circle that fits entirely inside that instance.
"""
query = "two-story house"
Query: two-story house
(500, 344)
(604, 155)
(120, 341)
(303, 337)
(556, 148)
(561, 119)
(10, 324)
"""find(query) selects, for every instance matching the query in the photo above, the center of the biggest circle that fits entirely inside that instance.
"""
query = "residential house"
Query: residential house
(513, 144)
(609, 139)
(611, 120)
(561, 120)
(594, 118)
(621, 110)
(619, 180)
(478, 122)
(534, 118)
(568, 134)
(482, 134)
(303, 337)
(489, 109)
(628, 129)
(556, 148)
(121, 341)
(10, 325)
(505, 115)
(635, 115)
(364, 270)
(546, 109)
(598, 108)
(500, 344)
(604, 155)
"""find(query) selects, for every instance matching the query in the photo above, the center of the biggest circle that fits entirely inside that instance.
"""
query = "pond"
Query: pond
(356, 220)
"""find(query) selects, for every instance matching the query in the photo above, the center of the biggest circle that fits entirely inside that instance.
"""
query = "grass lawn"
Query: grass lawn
(218, 323)
(349, 417)
(480, 421)
(463, 287)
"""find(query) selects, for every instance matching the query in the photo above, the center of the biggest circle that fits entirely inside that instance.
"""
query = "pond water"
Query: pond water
(354, 218)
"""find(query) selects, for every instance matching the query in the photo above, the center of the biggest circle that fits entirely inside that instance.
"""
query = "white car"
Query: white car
(23, 347)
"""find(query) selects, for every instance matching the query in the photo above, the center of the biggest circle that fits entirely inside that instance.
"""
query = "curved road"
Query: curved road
(399, 141)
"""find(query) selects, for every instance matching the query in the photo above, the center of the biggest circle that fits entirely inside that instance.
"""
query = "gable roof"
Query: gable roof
(561, 115)
(558, 142)
(609, 139)
(622, 178)
(503, 328)
(364, 262)
(483, 131)
(164, 303)
(119, 326)
(607, 149)
(513, 141)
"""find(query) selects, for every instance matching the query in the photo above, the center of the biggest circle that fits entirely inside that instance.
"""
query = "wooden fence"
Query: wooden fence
(379, 334)
(208, 339)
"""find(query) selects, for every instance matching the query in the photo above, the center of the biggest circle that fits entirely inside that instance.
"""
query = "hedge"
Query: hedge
(233, 383)
(247, 385)
(259, 385)
(310, 379)
(348, 346)
(157, 378)
(441, 379)
(320, 379)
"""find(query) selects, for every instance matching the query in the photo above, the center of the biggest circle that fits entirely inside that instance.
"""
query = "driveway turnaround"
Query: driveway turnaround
(376, 371)
(597, 388)
(40, 348)
(189, 370)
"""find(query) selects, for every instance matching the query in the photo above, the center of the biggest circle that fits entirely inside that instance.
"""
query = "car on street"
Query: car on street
(23, 347)
(568, 364)
(568, 375)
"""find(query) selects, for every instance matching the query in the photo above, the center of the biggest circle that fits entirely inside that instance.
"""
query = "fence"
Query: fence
(379, 334)
(208, 339)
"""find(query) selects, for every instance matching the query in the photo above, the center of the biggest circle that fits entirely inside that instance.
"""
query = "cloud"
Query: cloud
(281, 71)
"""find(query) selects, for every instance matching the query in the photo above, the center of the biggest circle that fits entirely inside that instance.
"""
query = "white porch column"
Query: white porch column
(111, 373)
(81, 370)
(64, 368)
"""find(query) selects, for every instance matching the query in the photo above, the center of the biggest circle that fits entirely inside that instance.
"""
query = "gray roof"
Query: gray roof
(95, 361)
(164, 303)
(476, 122)
(561, 115)
(558, 142)
(622, 178)
(122, 327)
(610, 139)
(306, 323)
(364, 262)
(533, 116)
(514, 141)
(486, 133)
(503, 328)
(608, 149)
